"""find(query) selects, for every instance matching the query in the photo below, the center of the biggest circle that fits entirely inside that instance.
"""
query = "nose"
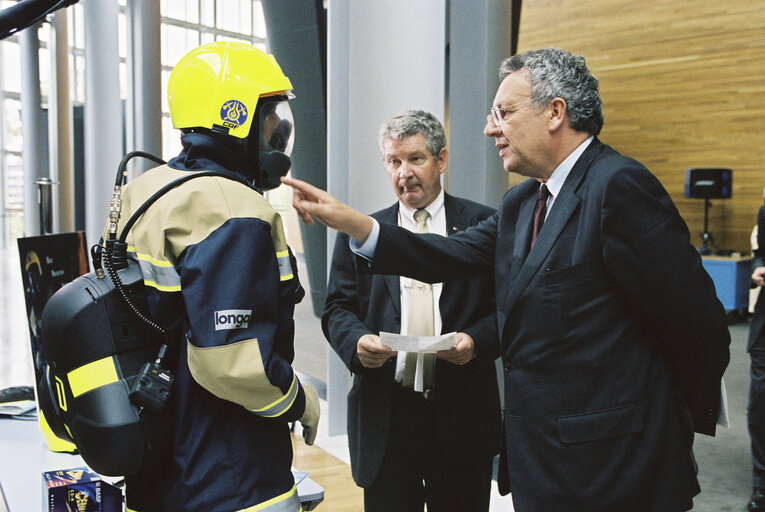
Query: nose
(404, 171)
(491, 129)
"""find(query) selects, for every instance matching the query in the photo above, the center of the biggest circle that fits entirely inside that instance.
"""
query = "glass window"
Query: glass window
(12, 127)
(207, 14)
(44, 33)
(13, 193)
(234, 17)
(192, 11)
(177, 42)
(184, 10)
(259, 21)
(79, 79)
(77, 17)
(165, 78)
(10, 78)
(171, 139)
(122, 35)
(208, 37)
(123, 80)
(245, 17)
(232, 38)
(45, 73)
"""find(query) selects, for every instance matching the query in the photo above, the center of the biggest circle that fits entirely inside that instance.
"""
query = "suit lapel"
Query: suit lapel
(563, 208)
(390, 215)
(455, 221)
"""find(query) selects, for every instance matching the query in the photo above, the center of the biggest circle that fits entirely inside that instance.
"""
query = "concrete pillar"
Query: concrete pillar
(60, 145)
(384, 56)
(33, 151)
(103, 118)
(479, 38)
(143, 112)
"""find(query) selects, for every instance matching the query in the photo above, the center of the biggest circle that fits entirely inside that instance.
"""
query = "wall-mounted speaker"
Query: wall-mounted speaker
(708, 183)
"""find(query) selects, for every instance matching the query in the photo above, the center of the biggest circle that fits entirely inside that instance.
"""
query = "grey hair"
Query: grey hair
(411, 122)
(556, 73)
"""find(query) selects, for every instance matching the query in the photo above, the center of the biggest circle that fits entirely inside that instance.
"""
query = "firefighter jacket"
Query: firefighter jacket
(220, 277)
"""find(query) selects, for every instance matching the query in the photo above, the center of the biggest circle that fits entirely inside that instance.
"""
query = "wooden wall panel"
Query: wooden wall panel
(683, 85)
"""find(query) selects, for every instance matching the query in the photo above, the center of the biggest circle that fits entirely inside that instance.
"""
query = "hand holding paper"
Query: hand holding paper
(461, 353)
(371, 352)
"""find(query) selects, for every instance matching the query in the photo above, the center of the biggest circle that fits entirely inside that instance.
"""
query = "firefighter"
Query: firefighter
(221, 279)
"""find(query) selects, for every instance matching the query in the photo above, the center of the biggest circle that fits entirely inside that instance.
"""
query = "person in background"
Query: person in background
(613, 340)
(756, 349)
(433, 440)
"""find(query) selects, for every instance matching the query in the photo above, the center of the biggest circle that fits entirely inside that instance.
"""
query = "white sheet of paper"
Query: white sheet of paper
(423, 344)
(723, 418)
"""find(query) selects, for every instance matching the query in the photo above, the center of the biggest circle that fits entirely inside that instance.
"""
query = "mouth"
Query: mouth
(502, 148)
(408, 189)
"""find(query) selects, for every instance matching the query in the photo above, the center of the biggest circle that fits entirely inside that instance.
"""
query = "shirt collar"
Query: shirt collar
(433, 208)
(559, 175)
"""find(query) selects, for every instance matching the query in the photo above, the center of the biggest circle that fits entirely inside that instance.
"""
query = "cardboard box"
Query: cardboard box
(79, 490)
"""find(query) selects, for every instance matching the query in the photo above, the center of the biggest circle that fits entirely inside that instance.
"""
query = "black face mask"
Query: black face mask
(273, 165)
(274, 138)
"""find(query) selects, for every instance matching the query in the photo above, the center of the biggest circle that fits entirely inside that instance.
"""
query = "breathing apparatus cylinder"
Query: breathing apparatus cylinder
(85, 391)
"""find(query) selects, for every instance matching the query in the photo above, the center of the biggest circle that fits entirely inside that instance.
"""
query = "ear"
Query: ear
(443, 160)
(556, 112)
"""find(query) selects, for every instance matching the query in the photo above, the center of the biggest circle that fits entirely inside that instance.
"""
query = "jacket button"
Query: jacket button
(507, 366)
(397, 320)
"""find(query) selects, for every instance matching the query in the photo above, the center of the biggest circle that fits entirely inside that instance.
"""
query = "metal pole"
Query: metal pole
(144, 106)
(60, 126)
(45, 204)
(33, 135)
(103, 117)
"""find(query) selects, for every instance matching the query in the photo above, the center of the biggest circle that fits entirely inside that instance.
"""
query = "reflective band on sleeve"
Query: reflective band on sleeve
(159, 274)
(285, 267)
(280, 406)
(92, 375)
(287, 502)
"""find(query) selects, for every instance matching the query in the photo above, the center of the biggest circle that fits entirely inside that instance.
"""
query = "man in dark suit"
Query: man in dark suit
(434, 444)
(756, 349)
(613, 341)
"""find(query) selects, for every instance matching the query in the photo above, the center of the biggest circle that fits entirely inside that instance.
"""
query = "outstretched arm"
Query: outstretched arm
(310, 201)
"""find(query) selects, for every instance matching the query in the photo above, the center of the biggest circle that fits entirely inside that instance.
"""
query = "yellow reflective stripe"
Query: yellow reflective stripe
(287, 502)
(92, 375)
(161, 287)
(281, 405)
(157, 273)
(285, 267)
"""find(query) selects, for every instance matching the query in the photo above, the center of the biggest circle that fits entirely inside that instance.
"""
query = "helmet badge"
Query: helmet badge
(233, 113)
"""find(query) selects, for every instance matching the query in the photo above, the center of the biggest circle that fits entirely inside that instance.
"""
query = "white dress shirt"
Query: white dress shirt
(558, 177)
(436, 224)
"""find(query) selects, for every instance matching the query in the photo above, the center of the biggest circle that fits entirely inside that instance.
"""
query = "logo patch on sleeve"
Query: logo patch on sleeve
(232, 319)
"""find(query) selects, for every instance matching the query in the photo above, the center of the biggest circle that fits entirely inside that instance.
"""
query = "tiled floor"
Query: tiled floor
(724, 462)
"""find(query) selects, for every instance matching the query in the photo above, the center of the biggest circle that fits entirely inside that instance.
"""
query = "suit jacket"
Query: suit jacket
(467, 397)
(758, 315)
(613, 340)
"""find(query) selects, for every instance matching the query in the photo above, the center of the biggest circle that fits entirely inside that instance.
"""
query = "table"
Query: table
(24, 457)
(732, 277)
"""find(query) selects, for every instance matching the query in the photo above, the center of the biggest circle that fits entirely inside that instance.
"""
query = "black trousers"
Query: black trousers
(756, 412)
(414, 472)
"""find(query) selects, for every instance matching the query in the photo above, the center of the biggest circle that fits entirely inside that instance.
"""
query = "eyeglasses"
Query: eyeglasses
(499, 114)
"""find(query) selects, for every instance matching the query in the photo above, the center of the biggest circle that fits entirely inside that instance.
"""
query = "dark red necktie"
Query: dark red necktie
(539, 212)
